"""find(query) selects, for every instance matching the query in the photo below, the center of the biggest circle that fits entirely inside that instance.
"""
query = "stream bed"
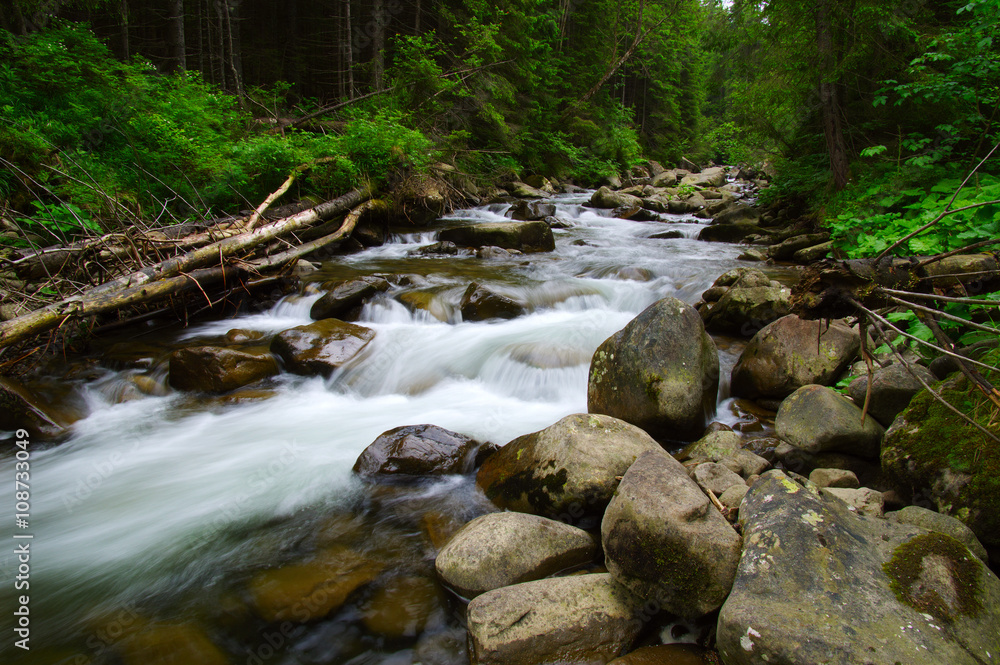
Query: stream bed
(155, 523)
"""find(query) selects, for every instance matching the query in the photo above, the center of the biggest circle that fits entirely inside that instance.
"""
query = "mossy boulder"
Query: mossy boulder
(892, 389)
(500, 549)
(818, 419)
(748, 305)
(320, 347)
(660, 372)
(666, 542)
(930, 453)
(567, 471)
(727, 232)
(216, 369)
(578, 619)
(790, 353)
(606, 198)
(818, 583)
(524, 236)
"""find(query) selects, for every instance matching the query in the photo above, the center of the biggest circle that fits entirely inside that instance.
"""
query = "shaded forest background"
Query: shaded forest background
(867, 113)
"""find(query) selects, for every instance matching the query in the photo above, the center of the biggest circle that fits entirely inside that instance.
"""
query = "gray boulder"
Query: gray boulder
(526, 211)
(710, 177)
(748, 305)
(863, 500)
(526, 191)
(578, 619)
(727, 232)
(932, 521)
(501, 549)
(785, 355)
(567, 471)
(606, 198)
(716, 477)
(665, 541)
(892, 389)
(834, 478)
(418, 450)
(820, 584)
(660, 372)
(819, 419)
(217, 369)
(320, 347)
(738, 214)
(346, 296)
(524, 236)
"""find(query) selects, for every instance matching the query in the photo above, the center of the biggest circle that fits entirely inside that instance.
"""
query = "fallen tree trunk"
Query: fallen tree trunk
(177, 274)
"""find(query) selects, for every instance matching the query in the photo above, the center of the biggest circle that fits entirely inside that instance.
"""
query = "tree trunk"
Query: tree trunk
(123, 11)
(233, 43)
(219, 46)
(178, 47)
(416, 21)
(349, 49)
(378, 43)
(829, 99)
(639, 34)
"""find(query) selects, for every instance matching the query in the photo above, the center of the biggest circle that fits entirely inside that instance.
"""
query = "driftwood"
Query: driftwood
(223, 261)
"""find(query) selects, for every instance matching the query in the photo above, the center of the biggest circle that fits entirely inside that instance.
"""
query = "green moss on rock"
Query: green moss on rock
(936, 574)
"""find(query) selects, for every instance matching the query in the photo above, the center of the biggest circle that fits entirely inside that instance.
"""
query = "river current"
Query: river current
(158, 511)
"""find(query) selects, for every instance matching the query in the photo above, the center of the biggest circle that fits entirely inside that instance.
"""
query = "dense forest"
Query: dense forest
(868, 114)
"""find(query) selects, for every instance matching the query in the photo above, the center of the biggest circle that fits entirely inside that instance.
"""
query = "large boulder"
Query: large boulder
(749, 304)
(931, 454)
(790, 353)
(217, 369)
(660, 372)
(786, 249)
(933, 521)
(665, 541)
(480, 303)
(567, 471)
(818, 583)
(524, 236)
(727, 232)
(525, 191)
(345, 296)
(739, 214)
(606, 198)
(710, 177)
(418, 450)
(892, 389)
(578, 619)
(818, 419)
(320, 347)
(500, 549)
(529, 211)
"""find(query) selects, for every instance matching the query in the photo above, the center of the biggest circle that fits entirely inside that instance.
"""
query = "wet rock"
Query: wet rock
(930, 454)
(579, 619)
(22, 407)
(320, 347)
(932, 521)
(418, 450)
(429, 302)
(660, 372)
(752, 255)
(524, 236)
(444, 647)
(217, 369)
(346, 296)
(834, 478)
(404, 607)
(864, 590)
(479, 303)
(443, 248)
(169, 644)
(710, 177)
(634, 273)
(526, 211)
(665, 541)
(667, 654)
(559, 222)
(307, 591)
(667, 235)
(542, 183)
(500, 549)
(786, 249)
(785, 355)
(496, 253)
(567, 471)
(727, 232)
(819, 419)
(606, 198)
(892, 389)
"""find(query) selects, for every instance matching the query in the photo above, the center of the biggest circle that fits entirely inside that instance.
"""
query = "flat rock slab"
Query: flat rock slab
(501, 549)
(819, 584)
(577, 619)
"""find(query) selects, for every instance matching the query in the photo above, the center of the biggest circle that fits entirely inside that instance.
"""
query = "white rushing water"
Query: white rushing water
(146, 495)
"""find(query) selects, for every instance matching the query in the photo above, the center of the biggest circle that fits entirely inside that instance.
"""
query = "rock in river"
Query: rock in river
(418, 450)
(216, 369)
(660, 372)
(320, 347)
(523, 236)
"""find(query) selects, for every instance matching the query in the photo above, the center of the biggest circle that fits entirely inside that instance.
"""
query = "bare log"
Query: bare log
(169, 276)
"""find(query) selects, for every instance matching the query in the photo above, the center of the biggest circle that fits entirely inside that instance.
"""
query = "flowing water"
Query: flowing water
(152, 522)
